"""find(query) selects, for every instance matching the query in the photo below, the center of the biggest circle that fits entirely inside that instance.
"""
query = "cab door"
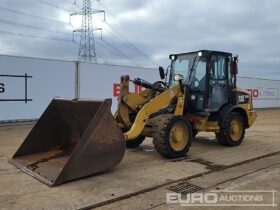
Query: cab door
(218, 82)
(197, 86)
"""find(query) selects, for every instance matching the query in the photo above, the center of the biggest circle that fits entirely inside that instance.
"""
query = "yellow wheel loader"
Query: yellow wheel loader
(77, 138)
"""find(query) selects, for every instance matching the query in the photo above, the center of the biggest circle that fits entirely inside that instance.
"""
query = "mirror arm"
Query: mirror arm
(167, 70)
(181, 86)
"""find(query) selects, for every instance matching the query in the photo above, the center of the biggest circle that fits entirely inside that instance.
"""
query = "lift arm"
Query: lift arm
(129, 103)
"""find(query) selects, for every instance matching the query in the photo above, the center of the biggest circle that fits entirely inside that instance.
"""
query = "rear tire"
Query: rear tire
(172, 136)
(133, 143)
(232, 131)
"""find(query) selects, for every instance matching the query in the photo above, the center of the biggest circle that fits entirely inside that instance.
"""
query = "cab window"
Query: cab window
(218, 68)
(198, 75)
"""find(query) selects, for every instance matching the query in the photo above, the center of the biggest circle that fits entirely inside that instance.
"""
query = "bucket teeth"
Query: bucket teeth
(71, 140)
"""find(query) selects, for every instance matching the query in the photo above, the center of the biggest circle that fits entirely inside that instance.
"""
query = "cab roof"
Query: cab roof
(207, 52)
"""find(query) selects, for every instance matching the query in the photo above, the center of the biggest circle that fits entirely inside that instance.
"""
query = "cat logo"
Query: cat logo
(241, 98)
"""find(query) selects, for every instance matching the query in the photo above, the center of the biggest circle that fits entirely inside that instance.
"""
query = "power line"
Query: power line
(76, 5)
(30, 15)
(72, 2)
(107, 45)
(112, 49)
(109, 49)
(120, 37)
(36, 36)
(30, 26)
(119, 53)
(40, 37)
(24, 35)
(117, 20)
(116, 52)
(136, 38)
(53, 5)
(127, 43)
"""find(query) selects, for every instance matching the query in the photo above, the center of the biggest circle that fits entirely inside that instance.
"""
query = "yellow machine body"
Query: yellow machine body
(128, 103)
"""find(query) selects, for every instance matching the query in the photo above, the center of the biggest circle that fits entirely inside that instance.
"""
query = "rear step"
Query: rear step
(71, 140)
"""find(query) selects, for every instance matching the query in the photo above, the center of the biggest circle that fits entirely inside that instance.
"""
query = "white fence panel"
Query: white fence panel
(265, 92)
(102, 81)
(50, 78)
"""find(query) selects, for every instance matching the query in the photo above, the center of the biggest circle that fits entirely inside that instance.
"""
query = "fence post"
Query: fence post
(77, 79)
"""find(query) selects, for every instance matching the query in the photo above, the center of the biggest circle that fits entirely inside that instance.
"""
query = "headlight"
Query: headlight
(172, 57)
(178, 77)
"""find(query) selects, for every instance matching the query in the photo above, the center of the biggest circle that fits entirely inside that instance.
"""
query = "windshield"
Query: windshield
(197, 77)
(182, 65)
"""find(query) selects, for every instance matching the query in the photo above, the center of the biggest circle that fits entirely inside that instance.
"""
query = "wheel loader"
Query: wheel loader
(78, 138)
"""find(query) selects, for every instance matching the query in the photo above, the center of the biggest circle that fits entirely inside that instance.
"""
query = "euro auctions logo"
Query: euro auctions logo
(264, 198)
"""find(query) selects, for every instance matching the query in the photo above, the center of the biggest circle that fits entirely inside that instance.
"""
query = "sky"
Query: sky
(143, 33)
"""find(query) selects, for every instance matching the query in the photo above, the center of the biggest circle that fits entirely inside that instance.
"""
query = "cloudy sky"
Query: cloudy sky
(144, 33)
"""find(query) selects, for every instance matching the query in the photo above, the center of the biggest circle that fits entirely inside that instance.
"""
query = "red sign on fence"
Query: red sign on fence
(117, 88)
(264, 93)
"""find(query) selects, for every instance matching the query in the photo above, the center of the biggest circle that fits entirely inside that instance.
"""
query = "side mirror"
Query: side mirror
(178, 77)
(161, 72)
(234, 66)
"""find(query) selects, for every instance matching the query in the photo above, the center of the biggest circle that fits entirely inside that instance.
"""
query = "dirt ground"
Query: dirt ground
(143, 179)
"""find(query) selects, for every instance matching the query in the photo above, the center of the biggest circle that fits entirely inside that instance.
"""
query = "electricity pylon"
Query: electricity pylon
(87, 51)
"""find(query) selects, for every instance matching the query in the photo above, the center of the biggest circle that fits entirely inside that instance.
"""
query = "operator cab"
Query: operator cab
(208, 78)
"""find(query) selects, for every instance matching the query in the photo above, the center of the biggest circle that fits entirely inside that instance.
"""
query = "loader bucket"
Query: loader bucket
(71, 140)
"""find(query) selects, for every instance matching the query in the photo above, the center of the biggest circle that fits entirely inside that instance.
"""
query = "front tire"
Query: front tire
(232, 131)
(133, 143)
(172, 136)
